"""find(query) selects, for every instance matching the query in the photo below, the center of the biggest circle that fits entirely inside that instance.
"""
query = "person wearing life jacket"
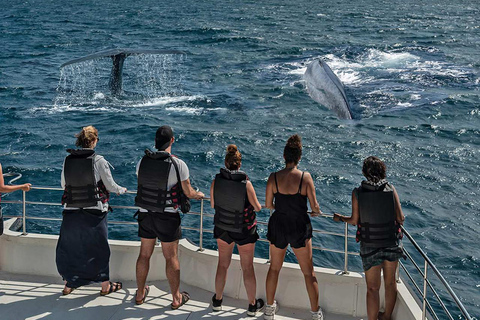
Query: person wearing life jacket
(287, 193)
(377, 213)
(235, 202)
(83, 253)
(163, 189)
(5, 188)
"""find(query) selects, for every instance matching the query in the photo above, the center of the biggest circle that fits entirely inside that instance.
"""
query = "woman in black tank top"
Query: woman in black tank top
(287, 194)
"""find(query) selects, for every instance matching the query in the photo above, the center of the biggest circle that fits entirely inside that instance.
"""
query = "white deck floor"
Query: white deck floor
(32, 297)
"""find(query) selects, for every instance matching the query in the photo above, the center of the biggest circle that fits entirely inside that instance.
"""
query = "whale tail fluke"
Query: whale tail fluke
(118, 57)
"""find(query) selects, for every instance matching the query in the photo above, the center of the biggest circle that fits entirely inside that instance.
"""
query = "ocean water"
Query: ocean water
(410, 68)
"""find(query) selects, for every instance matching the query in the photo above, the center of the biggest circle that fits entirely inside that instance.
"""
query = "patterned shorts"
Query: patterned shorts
(372, 257)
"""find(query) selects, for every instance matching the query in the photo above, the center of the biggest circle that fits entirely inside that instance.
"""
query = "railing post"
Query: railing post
(345, 267)
(201, 226)
(24, 214)
(424, 307)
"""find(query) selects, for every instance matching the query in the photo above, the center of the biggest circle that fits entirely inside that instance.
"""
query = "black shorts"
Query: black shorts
(250, 236)
(164, 226)
(284, 229)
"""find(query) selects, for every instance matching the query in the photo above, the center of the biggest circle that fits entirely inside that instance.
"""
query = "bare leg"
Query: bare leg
(224, 258)
(172, 269)
(276, 261)
(247, 252)
(373, 279)
(389, 269)
(143, 265)
(304, 257)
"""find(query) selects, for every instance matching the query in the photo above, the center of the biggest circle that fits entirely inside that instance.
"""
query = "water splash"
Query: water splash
(146, 77)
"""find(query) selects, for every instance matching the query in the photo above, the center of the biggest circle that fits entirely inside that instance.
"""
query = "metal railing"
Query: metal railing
(426, 305)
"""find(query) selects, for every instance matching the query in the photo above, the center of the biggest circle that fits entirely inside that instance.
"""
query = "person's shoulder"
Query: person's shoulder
(179, 161)
(100, 159)
(307, 175)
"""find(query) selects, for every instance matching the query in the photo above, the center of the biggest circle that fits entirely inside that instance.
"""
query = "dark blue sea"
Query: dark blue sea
(410, 70)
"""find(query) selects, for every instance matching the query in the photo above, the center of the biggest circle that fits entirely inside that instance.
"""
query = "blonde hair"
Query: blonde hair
(86, 137)
(233, 158)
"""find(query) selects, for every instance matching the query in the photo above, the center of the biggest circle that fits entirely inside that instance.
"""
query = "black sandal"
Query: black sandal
(185, 298)
(118, 286)
(68, 291)
(139, 302)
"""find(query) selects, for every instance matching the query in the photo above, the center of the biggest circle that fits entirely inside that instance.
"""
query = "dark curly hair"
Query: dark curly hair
(233, 158)
(293, 149)
(374, 169)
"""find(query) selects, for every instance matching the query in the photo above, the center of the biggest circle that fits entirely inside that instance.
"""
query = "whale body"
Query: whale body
(324, 87)
(118, 57)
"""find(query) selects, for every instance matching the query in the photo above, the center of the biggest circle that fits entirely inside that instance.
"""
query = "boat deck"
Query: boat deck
(39, 297)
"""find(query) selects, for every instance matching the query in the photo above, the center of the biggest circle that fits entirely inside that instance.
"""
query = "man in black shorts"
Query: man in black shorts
(159, 174)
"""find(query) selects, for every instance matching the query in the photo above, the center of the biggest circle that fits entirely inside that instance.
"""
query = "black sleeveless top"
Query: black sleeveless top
(290, 203)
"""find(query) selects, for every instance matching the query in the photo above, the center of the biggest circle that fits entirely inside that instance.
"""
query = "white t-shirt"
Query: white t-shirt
(172, 177)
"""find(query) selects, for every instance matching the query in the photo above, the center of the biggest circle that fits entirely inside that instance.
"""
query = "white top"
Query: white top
(183, 172)
(101, 169)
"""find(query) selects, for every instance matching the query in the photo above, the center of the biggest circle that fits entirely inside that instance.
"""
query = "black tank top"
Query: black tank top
(290, 203)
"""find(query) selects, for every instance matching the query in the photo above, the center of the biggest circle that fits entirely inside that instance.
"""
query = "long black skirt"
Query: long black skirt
(83, 253)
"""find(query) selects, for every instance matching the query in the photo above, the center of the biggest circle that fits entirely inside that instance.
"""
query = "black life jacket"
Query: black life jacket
(152, 188)
(378, 225)
(230, 195)
(81, 189)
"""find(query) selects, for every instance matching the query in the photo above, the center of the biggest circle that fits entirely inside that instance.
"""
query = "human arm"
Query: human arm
(212, 188)
(398, 208)
(10, 188)
(312, 197)
(353, 219)
(269, 193)
(252, 197)
(107, 178)
(190, 192)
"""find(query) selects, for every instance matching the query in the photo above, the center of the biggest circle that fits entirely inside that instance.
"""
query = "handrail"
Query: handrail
(427, 262)
(12, 174)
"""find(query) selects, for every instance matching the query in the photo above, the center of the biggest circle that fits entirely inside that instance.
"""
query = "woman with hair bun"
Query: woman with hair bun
(377, 213)
(235, 202)
(83, 253)
(287, 193)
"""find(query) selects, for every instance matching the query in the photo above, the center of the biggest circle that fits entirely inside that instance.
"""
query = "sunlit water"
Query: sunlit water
(411, 72)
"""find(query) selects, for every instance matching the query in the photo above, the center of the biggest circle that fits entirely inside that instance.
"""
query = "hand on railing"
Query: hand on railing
(316, 214)
(338, 217)
(26, 187)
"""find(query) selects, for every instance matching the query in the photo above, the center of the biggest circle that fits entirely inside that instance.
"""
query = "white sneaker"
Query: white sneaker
(318, 315)
(270, 311)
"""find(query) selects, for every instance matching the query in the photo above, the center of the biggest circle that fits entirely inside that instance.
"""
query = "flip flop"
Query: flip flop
(139, 302)
(118, 286)
(185, 298)
(68, 291)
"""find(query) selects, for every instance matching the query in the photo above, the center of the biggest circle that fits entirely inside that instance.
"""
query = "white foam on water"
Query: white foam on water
(415, 96)
(99, 96)
(193, 110)
(161, 101)
(296, 67)
(404, 105)
(69, 108)
(184, 109)
(377, 58)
